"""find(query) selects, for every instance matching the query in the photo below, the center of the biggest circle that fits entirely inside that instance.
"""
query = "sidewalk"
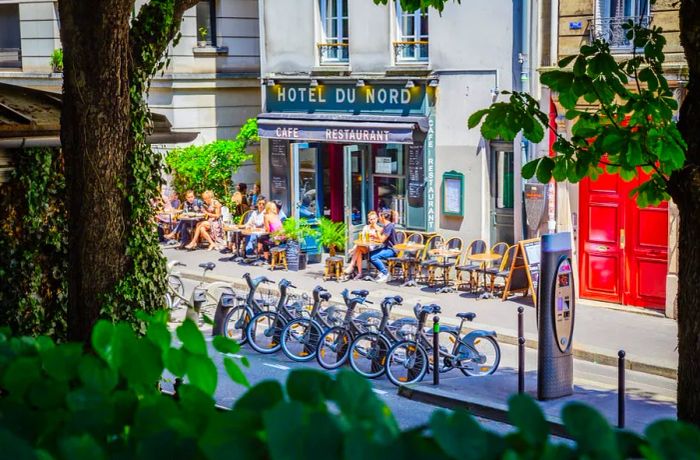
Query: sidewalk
(649, 341)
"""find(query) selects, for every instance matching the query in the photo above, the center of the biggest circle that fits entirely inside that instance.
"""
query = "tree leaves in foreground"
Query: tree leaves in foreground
(623, 114)
(62, 401)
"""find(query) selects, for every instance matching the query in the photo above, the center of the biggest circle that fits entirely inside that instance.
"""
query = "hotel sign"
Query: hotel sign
(386, 99)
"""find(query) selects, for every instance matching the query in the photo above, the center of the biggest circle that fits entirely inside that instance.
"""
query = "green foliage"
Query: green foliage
(294, 229)
(412, 5)
(62, 401)
(57, 60)
(203, 32)
(210, 166)
(627, 124)
(331, 234)
(33, 238)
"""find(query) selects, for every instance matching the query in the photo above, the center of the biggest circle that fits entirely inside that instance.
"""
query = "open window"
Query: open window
(206, 22)
(610, 15)
(10, 38)
(411, 43)
(334, 45)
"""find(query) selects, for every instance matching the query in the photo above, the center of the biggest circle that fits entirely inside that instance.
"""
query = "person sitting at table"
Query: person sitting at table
(191, 204)
(210, 228)
(240, 199)
(280, 211)
(272, 223)
(371, 233)
(254, 195)
(256, 220)
(388, 239)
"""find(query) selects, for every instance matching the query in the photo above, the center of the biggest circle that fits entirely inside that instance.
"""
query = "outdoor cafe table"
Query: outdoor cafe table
(409, 247)
(236, 230)
(370, 245)
(190, 220)
(445, 253)
(484, 258)
(258, 233)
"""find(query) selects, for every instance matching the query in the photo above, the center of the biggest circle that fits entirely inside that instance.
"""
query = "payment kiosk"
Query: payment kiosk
(556, 307)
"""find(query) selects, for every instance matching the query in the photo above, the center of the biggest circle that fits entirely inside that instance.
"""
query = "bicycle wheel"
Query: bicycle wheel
(300, 339)
(407, 362)
(235, 324)
(264, 331)
(446, 341)
(333, 348)
(368, 354)
(485, 362)
(175, 292)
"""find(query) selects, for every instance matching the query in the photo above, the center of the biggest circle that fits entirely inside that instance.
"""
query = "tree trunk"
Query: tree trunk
(95, 123)
(685, 190)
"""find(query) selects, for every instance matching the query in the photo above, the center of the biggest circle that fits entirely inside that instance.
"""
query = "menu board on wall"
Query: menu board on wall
(416, 176)
(279, 172)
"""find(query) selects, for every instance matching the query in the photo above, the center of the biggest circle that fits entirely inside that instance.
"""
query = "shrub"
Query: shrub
(61, 401)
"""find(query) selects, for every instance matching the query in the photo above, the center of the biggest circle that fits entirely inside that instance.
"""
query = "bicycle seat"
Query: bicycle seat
(360, 293)
(392, 300)
(467, 316)
(325, 296)
(431, 309)
(207, 265)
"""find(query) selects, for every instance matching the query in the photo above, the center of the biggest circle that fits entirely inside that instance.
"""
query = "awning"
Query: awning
(340, 128)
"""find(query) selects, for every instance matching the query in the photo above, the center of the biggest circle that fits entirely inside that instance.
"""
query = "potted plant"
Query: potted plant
(57, 60)
(331, 235)
(293, 232)
(203, 32)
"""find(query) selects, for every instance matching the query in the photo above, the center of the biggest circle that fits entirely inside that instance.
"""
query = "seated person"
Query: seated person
(209, 229)
(272, 224)
(370, 232)
(183, 227)
(256, 219)
(388, 240)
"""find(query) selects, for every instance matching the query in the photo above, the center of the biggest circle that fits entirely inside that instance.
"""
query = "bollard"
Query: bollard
(521, 352)
(621, 389)
(436, 350)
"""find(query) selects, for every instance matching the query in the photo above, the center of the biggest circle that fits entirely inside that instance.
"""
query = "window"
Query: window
(10, 38)
(334, 26)
(412, 34)
(206, 22)
(612, 14)
(389, 180)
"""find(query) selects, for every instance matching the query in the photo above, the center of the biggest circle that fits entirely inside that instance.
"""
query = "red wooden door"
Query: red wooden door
(623, 250)
(601, 258)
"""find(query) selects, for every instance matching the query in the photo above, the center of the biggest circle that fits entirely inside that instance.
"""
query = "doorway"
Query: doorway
(501, 175)
(623, 250)
(356, 188)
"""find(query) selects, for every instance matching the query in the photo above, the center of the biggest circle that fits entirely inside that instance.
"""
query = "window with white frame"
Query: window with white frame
(10, 38)
(612, 14)
(412, 35)
(334, 28)
(206, 22)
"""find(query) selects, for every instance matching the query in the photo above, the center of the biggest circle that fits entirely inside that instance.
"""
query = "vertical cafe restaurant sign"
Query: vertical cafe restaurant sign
(385, 99)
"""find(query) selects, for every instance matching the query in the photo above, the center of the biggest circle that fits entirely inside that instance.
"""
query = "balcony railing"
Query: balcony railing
(610, 30)
(333, 52)
(411, 51)
(10, 58)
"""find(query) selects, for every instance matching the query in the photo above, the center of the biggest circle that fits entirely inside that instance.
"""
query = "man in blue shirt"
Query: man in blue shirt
(388, 240)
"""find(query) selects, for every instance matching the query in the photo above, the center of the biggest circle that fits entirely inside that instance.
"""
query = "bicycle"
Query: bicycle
(301, 335)
(409, 360)
(334, 344)
(264, 329)
(175, 293)
(235, 322)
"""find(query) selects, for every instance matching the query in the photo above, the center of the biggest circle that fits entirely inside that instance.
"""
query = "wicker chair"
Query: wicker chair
(393, 262)
(429, 263)
(446, 263)
(502, 270)
(409, 259)
(475, 247)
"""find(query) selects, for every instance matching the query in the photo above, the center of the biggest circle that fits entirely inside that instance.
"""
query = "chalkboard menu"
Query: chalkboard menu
(279, 172)
(416, 176)
(525, 269)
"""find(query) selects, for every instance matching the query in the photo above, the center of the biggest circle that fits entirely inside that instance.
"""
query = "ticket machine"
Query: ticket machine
(555, 365)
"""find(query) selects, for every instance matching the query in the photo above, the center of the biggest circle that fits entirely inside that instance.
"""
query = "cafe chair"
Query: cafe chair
(244, 217)
(446, 263)
(409, 259)
(473, 268)
(278, 256)
(394, 262)
(429, 262)
(502, 270)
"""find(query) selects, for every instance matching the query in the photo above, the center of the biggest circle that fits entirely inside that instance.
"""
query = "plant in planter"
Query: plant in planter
(203, 32)
(331, 235)
(293, 232)
(57, 60)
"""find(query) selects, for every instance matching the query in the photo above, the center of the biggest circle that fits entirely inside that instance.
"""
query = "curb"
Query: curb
(507, 336)
(496, 412)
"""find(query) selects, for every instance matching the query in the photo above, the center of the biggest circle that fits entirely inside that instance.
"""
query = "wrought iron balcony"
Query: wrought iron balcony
(411, 51)
(611, 30)
(333, 52)
(10, 58)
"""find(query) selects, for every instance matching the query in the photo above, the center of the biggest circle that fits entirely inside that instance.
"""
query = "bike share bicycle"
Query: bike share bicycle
(264, 329)
(236, 321)
(475, 354)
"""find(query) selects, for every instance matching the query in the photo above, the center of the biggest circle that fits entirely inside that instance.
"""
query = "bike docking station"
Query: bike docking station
(555, 316)
(226, 302)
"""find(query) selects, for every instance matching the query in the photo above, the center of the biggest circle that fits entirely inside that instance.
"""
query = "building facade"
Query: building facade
(211, 85)
(365, 108)
(625, 255)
